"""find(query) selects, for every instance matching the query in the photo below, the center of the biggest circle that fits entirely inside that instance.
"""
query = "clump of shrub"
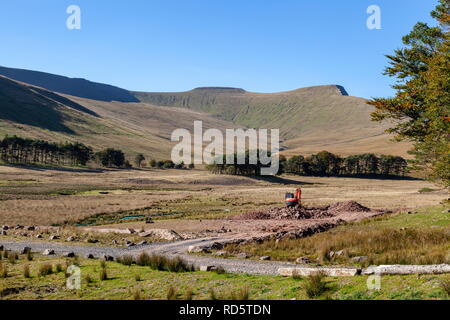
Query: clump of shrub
(166, 164)
(13, 257)
(137, 295)
(29, 256)
(296, 275)
(172, 294)
(143, 260)
(3, 271)
(315, 285)
(45, 269)
(426, 190)
(241, 294)
(103, 274)
(161, 263)
(88, 279)
(445, 285)
(59, 268)
(74, 261)
(126, 260)
(189, 295)
(177, 265)
(212, 294)
(26, 271)
(137, 277)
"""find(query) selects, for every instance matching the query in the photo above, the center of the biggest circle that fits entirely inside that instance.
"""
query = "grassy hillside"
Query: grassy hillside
(29, 111)
(310, 119)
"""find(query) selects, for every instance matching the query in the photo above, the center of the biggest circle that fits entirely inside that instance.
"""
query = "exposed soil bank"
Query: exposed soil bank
(302, 212)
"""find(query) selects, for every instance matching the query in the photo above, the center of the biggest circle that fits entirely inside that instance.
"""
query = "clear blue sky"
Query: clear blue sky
(168, 45)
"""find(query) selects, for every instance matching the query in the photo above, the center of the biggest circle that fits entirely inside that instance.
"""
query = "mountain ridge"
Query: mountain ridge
(73, 86)
(310, 119)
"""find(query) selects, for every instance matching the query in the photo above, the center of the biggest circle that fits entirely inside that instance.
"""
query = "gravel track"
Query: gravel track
(178, 248)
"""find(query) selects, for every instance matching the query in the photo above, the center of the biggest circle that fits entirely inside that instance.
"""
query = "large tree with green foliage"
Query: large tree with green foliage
(420, 109)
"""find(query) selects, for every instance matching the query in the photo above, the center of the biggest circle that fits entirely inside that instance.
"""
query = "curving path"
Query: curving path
(177, 248)
(180, 248)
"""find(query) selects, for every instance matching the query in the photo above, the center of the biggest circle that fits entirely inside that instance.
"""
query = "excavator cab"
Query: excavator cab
(292, 199)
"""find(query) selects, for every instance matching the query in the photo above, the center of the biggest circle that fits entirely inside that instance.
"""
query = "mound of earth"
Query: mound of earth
(303, 212)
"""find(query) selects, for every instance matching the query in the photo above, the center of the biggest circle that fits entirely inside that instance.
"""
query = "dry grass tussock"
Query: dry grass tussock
(380, 246)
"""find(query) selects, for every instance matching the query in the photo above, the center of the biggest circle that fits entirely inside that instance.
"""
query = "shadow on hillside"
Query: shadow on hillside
(47, 168)
(65, 101)
(281, 180)
(380, 177)
(73, 86)
(20, 104)
(287, 181)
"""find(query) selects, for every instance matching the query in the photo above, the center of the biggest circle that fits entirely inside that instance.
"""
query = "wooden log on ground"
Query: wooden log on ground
(331, 272)
(407, 269)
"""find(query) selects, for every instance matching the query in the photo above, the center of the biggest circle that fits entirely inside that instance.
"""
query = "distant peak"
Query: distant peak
(323, 89)
(342, 90)
(220, 89)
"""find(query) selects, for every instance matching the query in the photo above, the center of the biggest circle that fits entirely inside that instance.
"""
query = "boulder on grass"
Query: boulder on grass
(108, 258)
(303, 260)
(220, 253)
(90, 256)
(26, 250)
(69, 255)
(359, 259)
(217, 246)
(163, 234)
(198, 249)
(264, 258)
(208, 268)
(48, 252)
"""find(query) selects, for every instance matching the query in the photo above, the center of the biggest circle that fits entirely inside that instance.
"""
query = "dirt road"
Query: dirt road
(178, 248)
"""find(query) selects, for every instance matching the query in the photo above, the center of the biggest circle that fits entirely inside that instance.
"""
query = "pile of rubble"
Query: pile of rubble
(303, 212)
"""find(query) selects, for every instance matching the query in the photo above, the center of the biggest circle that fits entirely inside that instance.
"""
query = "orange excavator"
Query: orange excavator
(293, 200)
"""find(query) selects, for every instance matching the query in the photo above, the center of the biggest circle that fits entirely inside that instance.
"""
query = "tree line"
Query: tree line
(17, 150)
(328, 164)
(322, 164)
(246, 169)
